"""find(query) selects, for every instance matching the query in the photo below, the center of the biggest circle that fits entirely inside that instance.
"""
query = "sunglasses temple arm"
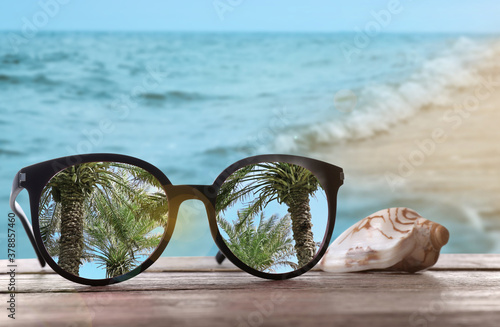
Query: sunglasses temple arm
(219, 257)
(16, 208)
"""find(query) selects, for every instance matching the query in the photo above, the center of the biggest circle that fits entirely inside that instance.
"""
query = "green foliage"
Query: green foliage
(117, 234)
(123, 204)
(257, 186)
(264, 183)
(264, 247)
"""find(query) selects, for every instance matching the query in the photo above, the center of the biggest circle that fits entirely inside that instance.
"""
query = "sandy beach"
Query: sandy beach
(443, 162)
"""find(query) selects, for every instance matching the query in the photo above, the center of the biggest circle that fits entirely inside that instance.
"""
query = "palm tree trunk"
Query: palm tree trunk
(300, 213)
(71, 241)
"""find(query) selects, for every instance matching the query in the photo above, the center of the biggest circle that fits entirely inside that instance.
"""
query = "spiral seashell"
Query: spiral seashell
(390, 239)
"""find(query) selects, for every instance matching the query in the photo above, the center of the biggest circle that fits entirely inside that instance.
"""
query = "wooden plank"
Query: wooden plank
(467, 261)
(461, 290)
(445, 262)
(436, 298)
(32, 266)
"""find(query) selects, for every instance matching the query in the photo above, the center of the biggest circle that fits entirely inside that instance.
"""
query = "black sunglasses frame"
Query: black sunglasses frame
(35, 177)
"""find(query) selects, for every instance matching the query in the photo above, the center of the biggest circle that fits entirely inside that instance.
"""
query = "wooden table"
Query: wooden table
(462, 289)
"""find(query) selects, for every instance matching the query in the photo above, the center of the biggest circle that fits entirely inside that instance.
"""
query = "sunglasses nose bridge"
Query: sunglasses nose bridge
(177, 194)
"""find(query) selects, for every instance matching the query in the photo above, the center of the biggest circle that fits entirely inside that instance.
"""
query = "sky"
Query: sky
(480, 16)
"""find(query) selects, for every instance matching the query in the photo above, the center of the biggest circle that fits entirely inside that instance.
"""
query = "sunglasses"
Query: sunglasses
(100, 219)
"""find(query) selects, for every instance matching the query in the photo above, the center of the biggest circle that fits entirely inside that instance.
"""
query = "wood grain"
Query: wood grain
(461, 290)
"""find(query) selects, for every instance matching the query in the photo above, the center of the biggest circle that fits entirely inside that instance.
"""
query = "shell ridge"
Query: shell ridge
(372, 243)
(366, 224)
(393, 223)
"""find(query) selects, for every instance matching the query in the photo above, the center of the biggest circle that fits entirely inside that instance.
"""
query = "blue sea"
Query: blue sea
(193, 103)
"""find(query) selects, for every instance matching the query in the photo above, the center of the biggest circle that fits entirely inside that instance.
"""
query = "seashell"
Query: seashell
(390, 239)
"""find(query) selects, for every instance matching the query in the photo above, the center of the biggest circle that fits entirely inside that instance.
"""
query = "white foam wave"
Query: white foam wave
(384, 105)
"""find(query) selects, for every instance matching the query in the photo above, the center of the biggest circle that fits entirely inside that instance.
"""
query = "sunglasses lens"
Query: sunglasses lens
(101, 219)
(272, 216)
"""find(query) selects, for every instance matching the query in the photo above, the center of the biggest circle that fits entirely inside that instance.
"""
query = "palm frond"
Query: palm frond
(263, 247)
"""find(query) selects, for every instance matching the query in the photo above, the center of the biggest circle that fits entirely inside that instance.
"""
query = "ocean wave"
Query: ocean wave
(81, 92)
(38, 79)
(10, 153)
(379, 107)
(247, 147)
(177, 96)
(219, 151)
(14, 59)
(57, 56)
(35, 57)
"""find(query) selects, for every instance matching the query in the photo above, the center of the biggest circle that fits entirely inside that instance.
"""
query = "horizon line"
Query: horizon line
(248, 31)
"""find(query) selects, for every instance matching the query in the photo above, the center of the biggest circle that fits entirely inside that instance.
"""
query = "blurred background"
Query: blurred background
(403, 95)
